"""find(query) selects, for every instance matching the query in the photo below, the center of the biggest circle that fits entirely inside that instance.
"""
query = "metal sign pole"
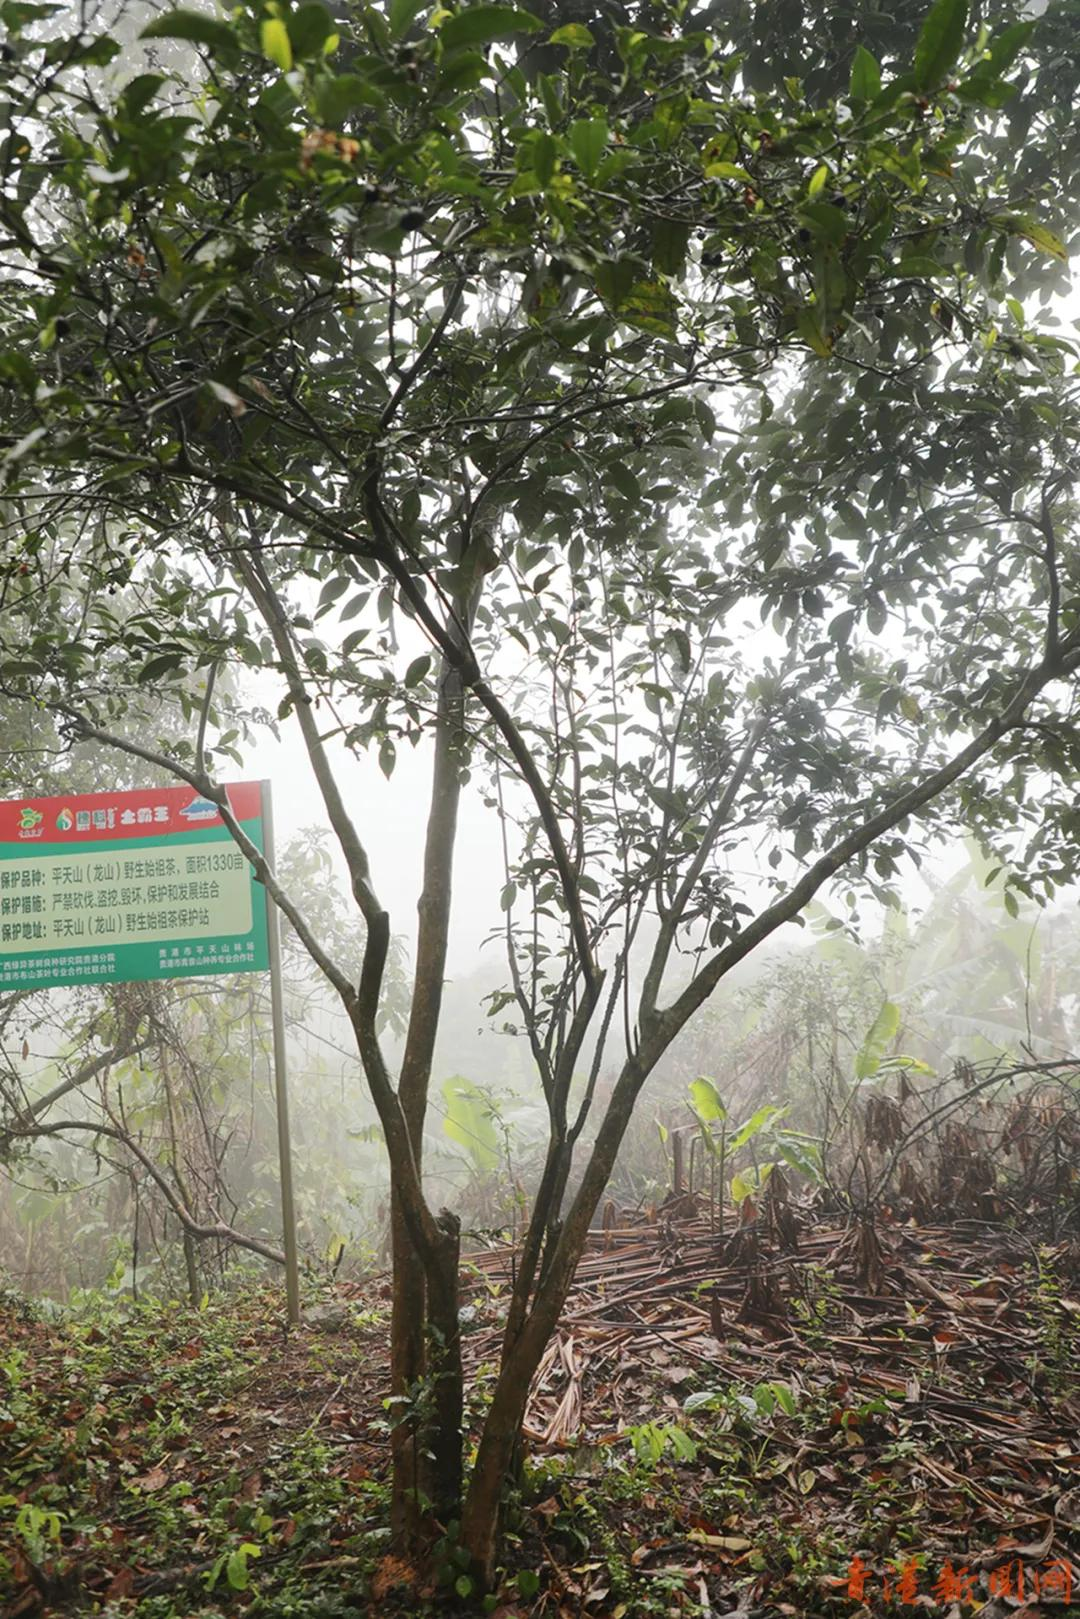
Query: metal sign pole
(281, 1082)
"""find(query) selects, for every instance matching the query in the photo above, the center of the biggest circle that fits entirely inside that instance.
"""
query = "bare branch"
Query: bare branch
(224, 1233)
(83, 1075)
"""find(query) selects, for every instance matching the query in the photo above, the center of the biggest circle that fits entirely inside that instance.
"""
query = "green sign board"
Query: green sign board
(117, 887)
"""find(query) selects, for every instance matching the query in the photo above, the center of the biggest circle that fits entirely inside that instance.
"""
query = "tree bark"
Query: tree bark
(407, 1370)
(481, 1515)
(424, 1331)
(442, 1447)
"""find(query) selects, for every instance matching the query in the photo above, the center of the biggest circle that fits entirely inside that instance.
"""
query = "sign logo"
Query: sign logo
(200, 809)
(30, 822)
(64, 821)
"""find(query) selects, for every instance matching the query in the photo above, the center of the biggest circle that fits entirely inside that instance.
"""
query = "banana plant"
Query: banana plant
(873, 1060)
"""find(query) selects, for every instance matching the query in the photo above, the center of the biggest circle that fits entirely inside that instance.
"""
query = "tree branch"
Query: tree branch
(83, 1075)
(669, 926)
(223, 1232)
(85, 730)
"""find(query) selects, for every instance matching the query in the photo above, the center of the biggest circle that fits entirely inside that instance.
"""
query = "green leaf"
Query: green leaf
(545, 151)
(624, 480)
(865, 76)
(882, 1033)
(651, 306)
(702, 1400)
(810, 331)
(310, 26)
(549, 91)
(469, 1119)
(574, 35)
(684, 1447)
(196, 27)
(614, 280)
(784, 1398)
(236, 1567)
(705, 1100)
(588, 140)
(743, 1185)
(165, 664)
(1007, 46)
(336, 98)
(276, 45)
(672, 803)
(727, 171)
(417, 669)
(825, 220)
(387, 757)
(984, 85)
(805, 1158)
(917, 264)
(763, 1119)
(402, 14)
(140, 91)
(1031, 230)
(334, 587)
(669, 242)
(940, 42)
(817, 181)
(481, 25)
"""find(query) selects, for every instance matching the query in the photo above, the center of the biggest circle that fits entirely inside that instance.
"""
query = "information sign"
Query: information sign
(115, 887)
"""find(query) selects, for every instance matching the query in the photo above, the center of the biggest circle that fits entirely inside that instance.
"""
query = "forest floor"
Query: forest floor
(852, 1428)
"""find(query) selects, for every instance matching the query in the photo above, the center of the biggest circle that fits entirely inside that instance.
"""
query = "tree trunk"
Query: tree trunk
(425, 1331)
(481, 1516)
(480, 1523)
(407, 1370)
(192, 1267)
(442, 1448)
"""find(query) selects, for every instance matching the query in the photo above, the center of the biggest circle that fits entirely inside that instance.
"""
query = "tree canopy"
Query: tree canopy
(671, 440)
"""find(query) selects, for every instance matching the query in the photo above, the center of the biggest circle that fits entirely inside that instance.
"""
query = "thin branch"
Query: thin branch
(221, 1231)
(906, 803)
(409, 375)
(85, 730)
(273, 613)
(673, 915)
(83, 1075)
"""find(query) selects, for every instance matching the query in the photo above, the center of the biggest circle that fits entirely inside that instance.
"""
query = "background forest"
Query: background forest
(958, 983)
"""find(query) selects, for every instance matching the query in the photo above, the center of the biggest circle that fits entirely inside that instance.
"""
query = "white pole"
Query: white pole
(281, 1080)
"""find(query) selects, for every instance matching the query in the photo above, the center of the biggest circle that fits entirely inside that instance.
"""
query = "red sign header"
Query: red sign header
(148, 812)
